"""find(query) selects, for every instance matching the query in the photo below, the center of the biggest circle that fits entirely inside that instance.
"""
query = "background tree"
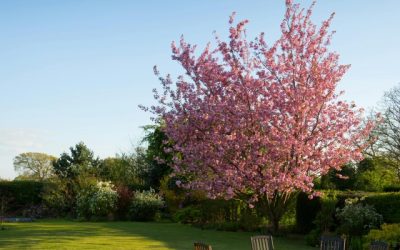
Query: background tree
(75, 171)
(343, 179)
(260, 121)
(373, 174)
(36, 166)
(80, 160)
(370, 174)
(128, 169)
(157, 159)
(388, 132)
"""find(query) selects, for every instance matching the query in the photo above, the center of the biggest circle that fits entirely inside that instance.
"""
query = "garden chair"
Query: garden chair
(262, 242)
(201, 246)
(379, 245)
(332, 243)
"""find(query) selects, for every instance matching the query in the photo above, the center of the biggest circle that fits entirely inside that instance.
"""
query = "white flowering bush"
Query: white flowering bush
(145, 205)
(97, 200)
(357, 219)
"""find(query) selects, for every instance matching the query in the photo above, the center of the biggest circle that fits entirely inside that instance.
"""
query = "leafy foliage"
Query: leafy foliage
(324, 221)
(387, 133)
(124, 201)
(342, 179)
(97, 200)
(145, 205)
(35, 166)
(306, 212)
(55, 199)
(128, 169)
(356, 219)
(389, 233)
(189, 215)
(374, 174)
(157, 159)
(386, 204)
(81, 159)
(76, 170)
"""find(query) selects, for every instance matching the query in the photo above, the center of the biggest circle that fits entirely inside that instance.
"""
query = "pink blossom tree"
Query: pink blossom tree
(260, 121)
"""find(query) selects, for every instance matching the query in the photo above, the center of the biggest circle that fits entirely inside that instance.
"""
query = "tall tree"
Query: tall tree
(158, 161)
(75, 170)
(260, 120)
(80, 160)
(127, 169)
(36, 166)
(388, 131)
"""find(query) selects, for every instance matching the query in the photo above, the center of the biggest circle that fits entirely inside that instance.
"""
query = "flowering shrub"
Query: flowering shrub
(357, 219)
(97, 200)
(145, 205)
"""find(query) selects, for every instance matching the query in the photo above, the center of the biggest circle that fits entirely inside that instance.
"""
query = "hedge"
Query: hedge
(386, 204)
(306, 212)
(392, 188)
(21, 194)
(226, 215)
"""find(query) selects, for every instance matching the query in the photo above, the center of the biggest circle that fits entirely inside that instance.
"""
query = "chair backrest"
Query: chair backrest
(201, 246)
(332, 243)
(379, 245)
(262, 242)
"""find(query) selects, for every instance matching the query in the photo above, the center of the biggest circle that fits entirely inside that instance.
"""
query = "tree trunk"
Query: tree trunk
(276, 207)
(275, 225)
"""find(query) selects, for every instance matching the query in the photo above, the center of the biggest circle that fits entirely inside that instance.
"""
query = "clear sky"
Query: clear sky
(75, 71)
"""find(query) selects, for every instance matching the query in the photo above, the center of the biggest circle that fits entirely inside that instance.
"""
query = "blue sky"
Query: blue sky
(75, 71)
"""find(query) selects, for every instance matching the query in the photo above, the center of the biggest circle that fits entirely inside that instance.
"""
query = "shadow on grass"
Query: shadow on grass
(124, 235)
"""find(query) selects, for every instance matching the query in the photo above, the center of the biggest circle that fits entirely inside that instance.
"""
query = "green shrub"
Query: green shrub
(230, 212)
(386, 204)
(228, 215)
(145, 205)
(325, 219)
(54, 198)
(313, 237)
(96, 200)
(315, 213)
(389, 233)
(356, 243)
(188, 215)
(332, 181)
(375, 180)
(391, 188)
(356, 219)
(173, 196)
(249, 221)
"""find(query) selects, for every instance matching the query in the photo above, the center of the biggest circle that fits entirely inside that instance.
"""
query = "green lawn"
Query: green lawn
(56, 234)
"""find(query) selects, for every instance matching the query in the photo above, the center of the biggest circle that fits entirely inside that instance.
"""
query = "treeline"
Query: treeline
(139, 186)
(78, 184)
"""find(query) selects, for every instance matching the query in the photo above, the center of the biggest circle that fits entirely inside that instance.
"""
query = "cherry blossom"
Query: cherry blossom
(258, 119)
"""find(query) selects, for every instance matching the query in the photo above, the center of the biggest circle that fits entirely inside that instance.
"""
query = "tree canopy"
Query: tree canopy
(258, 119)
(32, 165)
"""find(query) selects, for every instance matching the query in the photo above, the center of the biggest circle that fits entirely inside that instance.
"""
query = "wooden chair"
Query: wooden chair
(379, 245)
(332, 243)
(201, 246)
(262, 242)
